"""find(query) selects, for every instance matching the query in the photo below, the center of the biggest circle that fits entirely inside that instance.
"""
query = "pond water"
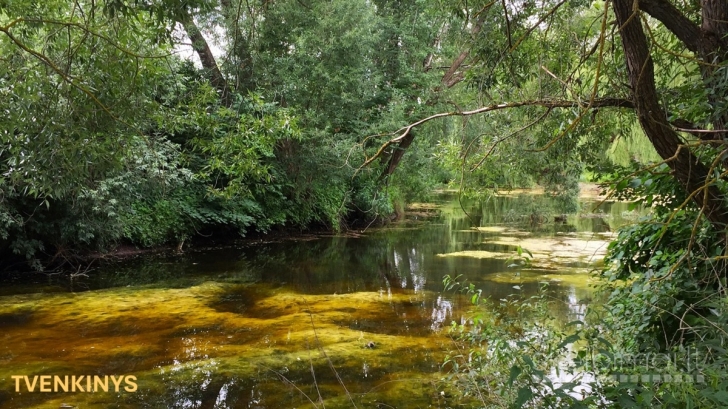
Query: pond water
(356, 320)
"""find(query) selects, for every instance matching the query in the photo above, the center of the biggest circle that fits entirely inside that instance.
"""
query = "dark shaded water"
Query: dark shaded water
(355, 321)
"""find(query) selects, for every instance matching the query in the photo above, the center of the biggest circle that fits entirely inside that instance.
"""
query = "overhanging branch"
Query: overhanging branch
(403, 134)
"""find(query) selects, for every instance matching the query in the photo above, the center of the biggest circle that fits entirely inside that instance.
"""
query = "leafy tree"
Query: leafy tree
(75, 89)
(564, 57)
(111, 138)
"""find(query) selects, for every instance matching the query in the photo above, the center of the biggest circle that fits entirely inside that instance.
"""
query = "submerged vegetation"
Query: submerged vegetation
(294, 115)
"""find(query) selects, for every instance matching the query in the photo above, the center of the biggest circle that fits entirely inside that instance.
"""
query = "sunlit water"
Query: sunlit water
(351, 321)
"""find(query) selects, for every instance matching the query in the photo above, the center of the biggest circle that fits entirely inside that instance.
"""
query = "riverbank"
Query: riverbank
(69, 261)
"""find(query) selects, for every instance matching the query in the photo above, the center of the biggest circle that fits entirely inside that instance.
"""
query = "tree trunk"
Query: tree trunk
(452, 76)
(708, 41)
(687, 169)
(397, 154)
(715, 29)
(199, 44)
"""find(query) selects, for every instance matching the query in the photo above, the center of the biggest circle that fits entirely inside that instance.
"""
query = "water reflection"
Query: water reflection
(284, 324)
(441, 313)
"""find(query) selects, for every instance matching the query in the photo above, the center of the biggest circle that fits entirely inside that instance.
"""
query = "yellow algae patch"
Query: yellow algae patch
(104, 329)
(517, 233)
(175, 339)
(349, 302)
(575, 248)
(476, 254)
(548, 252)
(576, 279)
(365, 312)
(586, 191)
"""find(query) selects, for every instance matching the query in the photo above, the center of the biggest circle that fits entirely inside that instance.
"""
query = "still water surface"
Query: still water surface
(356, 321)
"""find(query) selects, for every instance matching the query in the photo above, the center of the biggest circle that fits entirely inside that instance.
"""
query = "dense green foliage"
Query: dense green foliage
(108, 137)
(111, 138)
